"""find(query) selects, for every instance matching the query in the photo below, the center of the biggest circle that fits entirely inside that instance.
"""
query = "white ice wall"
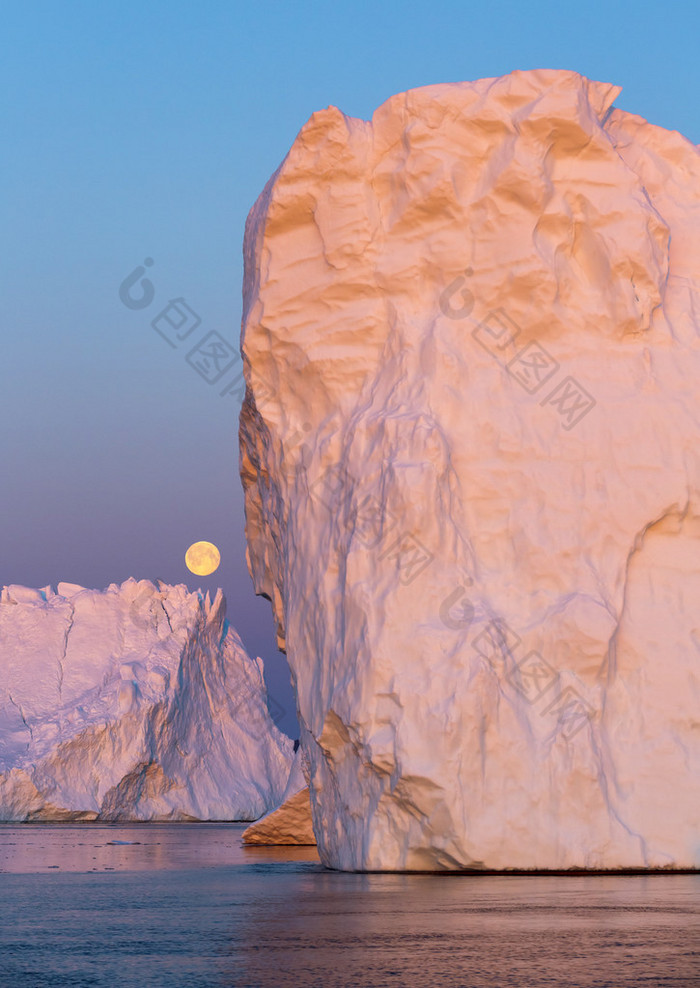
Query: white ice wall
(470, 455)
(136, 702)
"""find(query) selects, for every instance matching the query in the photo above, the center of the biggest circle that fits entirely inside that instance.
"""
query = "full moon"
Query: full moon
(202, 558)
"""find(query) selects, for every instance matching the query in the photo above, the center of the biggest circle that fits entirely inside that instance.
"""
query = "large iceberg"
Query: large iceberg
(469, 450)
(138, 702)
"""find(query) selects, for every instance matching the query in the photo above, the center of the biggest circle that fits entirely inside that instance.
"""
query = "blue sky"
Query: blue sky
(134, 130)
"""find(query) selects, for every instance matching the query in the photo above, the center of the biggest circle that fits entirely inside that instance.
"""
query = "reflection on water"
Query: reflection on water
(37, 847)
(186, 905)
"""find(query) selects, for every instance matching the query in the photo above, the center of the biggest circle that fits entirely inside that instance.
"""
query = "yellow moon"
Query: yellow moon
(202, 558)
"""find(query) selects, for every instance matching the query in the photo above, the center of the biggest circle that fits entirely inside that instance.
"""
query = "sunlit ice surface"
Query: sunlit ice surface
(187, 905)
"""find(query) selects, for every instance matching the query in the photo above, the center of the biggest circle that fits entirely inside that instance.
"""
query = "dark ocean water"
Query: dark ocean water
(188, 906)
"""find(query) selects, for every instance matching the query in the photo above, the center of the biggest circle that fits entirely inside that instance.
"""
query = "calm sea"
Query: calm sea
(186, 905)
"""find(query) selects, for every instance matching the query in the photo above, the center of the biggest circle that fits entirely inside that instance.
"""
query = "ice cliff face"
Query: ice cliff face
(133, 703)
(469, 449)
(290, 822)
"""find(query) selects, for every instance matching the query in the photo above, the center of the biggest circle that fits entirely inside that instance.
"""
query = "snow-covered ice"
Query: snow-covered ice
(470, 455)
(137, 702)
